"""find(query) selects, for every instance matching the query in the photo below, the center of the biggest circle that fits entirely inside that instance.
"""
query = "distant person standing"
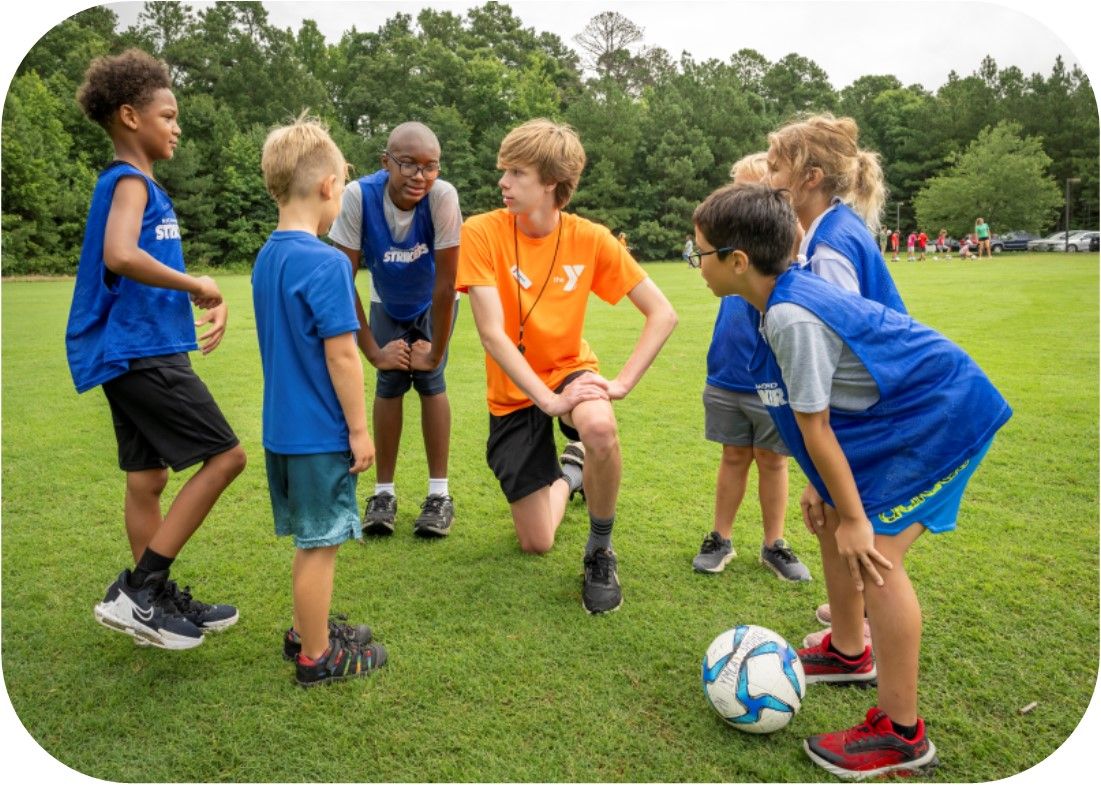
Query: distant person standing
(894, 245)
(941, 245)
(911, 241)
(623, 239)
(982, 233)
(884, 234)
(922, 243)
(687, 252)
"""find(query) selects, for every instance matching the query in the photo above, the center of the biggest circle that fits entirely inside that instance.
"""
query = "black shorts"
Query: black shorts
(521, 451)
(165, 416)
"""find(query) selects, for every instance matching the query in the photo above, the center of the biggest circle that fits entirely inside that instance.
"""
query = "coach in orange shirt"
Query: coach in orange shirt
(528, 269)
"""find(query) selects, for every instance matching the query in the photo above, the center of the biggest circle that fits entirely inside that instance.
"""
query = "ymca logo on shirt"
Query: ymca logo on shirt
(771, 394)
(168, 229)
(573, 275)
(405, 255)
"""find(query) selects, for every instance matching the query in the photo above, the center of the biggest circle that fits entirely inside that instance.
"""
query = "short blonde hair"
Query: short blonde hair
(553, 149)
(750, 168)
(830, 144)
(296, 157)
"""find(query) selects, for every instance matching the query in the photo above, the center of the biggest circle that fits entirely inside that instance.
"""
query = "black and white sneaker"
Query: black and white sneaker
(600, 592)
(146, 614)
(380, 514)
(574, 455)
(437, 514)
(208, 618)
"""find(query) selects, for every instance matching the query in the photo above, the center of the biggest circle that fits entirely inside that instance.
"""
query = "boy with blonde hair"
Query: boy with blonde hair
(529, 269)
(316, 439)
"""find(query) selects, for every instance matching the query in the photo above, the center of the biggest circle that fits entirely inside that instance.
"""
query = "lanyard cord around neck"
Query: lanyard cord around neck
(519, 273)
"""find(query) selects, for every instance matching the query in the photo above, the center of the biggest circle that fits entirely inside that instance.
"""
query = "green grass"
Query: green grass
(496, 673)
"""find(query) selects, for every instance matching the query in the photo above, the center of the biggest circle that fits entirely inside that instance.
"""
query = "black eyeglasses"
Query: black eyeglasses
(695, 258)
(410, 169)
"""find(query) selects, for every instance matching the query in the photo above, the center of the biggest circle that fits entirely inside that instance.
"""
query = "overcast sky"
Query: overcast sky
(919, 41)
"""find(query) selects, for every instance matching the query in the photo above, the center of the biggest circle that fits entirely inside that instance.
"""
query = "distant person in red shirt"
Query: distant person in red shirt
(922, 241)
(941, 245)
(894, 245)
(911, 241)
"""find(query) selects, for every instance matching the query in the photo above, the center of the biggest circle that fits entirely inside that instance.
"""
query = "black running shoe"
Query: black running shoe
(600, 592)
(379, 515)
(338, 628)
(437, 513)
(342, 660)
(208, 618)
(146, 614)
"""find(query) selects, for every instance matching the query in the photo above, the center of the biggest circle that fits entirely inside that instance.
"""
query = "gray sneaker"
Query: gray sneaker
(436, 516)
(781, 559)
(714, 555)
(378, 517)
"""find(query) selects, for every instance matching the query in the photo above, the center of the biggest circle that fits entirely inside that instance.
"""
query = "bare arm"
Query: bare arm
(660, 321)
(485, 303)
(855, 537)
(395, 355)
(427, 356)
(346, 373)
(123, 256)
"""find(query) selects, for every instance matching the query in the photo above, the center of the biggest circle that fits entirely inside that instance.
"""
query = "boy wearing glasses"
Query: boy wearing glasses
(402, 224)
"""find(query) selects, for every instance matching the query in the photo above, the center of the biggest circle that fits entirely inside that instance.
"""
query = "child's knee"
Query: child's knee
(150, 482)
(231, 462)
(536, 544)
(768, 460)
(737, 457)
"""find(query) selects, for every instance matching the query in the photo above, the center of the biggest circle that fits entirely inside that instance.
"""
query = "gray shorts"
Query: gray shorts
(313, 498)
(739, 419)
(394, 384)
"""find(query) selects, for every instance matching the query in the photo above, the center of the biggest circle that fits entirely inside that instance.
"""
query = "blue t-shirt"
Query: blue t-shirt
(112, 319)
(403, 274)
(302, 292)
(732, 344)
(936, 407)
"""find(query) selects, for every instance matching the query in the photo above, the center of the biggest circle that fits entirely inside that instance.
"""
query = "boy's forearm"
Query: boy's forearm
(661, 319)
(140, 266)
(346, 373)
(832, 465)
(443, 311)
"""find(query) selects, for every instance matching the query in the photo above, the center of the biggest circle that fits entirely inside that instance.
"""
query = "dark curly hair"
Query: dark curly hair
(129, 78)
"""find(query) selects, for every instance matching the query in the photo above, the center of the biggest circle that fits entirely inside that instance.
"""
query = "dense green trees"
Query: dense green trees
(660, 134)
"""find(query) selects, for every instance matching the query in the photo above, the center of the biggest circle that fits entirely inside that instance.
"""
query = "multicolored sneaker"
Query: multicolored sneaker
(145, 614)
(338, 628)
(437, 514)
(600, 592)
(781, 559)
(342, 660)
(822, 665)
(379, 515)
(814, 639)
(208, 618)
(873, 749)
(715, 553)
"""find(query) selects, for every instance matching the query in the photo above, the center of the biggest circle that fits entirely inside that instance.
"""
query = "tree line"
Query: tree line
(660, 132)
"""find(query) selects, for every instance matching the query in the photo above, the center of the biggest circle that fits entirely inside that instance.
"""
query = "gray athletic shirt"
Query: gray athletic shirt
(819, 370)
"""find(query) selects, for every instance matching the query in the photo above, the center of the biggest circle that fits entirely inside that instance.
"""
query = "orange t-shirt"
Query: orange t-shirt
(589, 259)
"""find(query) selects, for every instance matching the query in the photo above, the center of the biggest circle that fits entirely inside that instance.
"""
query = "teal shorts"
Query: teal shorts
(936, 508)
(313, 498)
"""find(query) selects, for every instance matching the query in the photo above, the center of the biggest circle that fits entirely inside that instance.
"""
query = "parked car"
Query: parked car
(1077, 242)
(1010, 241)
(1048, 243)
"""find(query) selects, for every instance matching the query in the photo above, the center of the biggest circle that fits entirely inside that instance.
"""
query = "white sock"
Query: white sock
(385, 487)
(438, 487)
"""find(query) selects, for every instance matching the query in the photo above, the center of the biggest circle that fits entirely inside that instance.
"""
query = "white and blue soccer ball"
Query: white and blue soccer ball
(753, 678)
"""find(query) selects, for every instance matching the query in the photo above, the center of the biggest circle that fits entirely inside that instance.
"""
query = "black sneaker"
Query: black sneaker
(338, 628)
(342, 660)
(781, 559)
(600, 592)
(379, 515)
(574, 453)
(208, 618)
(146, 614)
(437, 513)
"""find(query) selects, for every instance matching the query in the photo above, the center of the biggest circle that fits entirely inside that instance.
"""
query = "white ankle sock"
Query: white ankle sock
(385, 487)
(438, 487)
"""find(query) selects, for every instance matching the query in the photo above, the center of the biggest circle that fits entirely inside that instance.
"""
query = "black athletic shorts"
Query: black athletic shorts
(165, 416)
(520, 449)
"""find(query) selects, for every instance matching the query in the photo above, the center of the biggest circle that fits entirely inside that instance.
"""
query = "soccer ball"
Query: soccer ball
(753, 679)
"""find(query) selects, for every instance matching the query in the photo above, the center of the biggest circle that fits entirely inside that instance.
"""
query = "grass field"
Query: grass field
(496, 673)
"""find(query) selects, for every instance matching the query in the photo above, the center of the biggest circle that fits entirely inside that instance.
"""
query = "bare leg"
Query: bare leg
(730, 486)
(595, 422)
(846, 603)
(143, 507)
(895, 618)
(195, 500)
(312, 582)
(537, 515)
(386, 417)
(436, 428)
(772, 490)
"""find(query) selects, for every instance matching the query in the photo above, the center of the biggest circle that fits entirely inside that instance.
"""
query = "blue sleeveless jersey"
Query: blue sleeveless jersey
(732, 344)
(403, 274)
(936, 407)
(844, 231)
(114, 319)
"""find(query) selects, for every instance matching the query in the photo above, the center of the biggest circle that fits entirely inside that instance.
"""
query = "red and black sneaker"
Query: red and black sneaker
(822, 665)
(342, 660)
(873, 749)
